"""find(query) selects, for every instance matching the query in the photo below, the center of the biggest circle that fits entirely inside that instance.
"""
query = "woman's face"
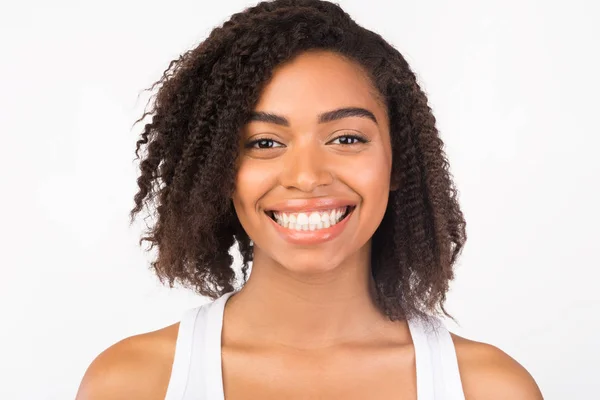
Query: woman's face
(306, 166)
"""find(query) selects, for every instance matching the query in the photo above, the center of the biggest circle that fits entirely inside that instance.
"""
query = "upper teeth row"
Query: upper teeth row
(312, 220)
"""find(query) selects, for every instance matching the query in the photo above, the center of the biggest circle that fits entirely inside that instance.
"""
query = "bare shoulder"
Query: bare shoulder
(489, 373)
(138, 367)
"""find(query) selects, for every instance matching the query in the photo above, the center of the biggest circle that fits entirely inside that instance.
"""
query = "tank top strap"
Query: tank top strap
(196, 372)
(187, 380)
(437, 372)
(186, 339)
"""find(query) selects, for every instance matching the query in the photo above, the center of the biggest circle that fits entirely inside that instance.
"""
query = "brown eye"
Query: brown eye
(261, 144)
(347, 140)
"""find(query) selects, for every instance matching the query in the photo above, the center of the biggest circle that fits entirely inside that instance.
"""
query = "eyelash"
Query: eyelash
(359, 139)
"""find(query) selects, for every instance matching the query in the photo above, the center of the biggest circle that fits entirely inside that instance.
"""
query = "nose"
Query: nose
(305, 168)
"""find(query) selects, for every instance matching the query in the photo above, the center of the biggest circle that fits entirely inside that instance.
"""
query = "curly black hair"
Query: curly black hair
(188, 170)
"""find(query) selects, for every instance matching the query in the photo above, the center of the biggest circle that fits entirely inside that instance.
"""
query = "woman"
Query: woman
(306, 140)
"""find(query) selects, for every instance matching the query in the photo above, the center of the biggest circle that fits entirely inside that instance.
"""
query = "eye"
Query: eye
(263, 143)
(347, 140)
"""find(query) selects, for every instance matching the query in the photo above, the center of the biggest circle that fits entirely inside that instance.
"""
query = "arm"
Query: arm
(489, 373)
(138, 367)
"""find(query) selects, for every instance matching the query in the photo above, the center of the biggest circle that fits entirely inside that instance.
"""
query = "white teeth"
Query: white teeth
(302, 219)
(314, 218)
(309, 221)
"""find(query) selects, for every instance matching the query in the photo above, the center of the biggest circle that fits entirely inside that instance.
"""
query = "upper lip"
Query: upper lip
(314, 204)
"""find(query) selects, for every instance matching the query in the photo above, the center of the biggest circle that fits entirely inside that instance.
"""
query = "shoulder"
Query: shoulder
(489, 373)
(138, 367)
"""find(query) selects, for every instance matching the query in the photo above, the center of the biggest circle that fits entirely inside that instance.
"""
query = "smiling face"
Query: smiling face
(314, 170)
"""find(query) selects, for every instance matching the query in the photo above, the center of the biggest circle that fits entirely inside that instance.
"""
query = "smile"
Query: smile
(313, 227)
(311, 220)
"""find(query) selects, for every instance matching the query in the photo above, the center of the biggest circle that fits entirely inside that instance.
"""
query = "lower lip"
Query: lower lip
(311, 237)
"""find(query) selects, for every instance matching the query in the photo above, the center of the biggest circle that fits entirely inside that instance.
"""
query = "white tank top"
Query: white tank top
(196, 373)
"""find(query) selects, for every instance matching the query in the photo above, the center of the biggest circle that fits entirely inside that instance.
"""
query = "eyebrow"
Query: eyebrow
(328, 116)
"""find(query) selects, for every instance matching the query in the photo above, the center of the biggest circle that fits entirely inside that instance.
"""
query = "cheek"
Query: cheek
(370, 175)
(370, 178)
(252, 181)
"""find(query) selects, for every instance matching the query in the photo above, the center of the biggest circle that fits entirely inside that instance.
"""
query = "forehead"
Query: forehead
(316, 82)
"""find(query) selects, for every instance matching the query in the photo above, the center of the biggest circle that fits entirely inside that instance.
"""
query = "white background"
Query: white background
(514, 86)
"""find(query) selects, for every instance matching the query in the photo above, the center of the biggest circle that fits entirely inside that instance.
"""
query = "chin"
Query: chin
(309, 263)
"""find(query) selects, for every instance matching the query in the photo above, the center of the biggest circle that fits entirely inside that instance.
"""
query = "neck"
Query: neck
(292, 309)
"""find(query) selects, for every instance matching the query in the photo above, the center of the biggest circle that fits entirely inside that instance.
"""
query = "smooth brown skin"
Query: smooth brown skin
(323, 338)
